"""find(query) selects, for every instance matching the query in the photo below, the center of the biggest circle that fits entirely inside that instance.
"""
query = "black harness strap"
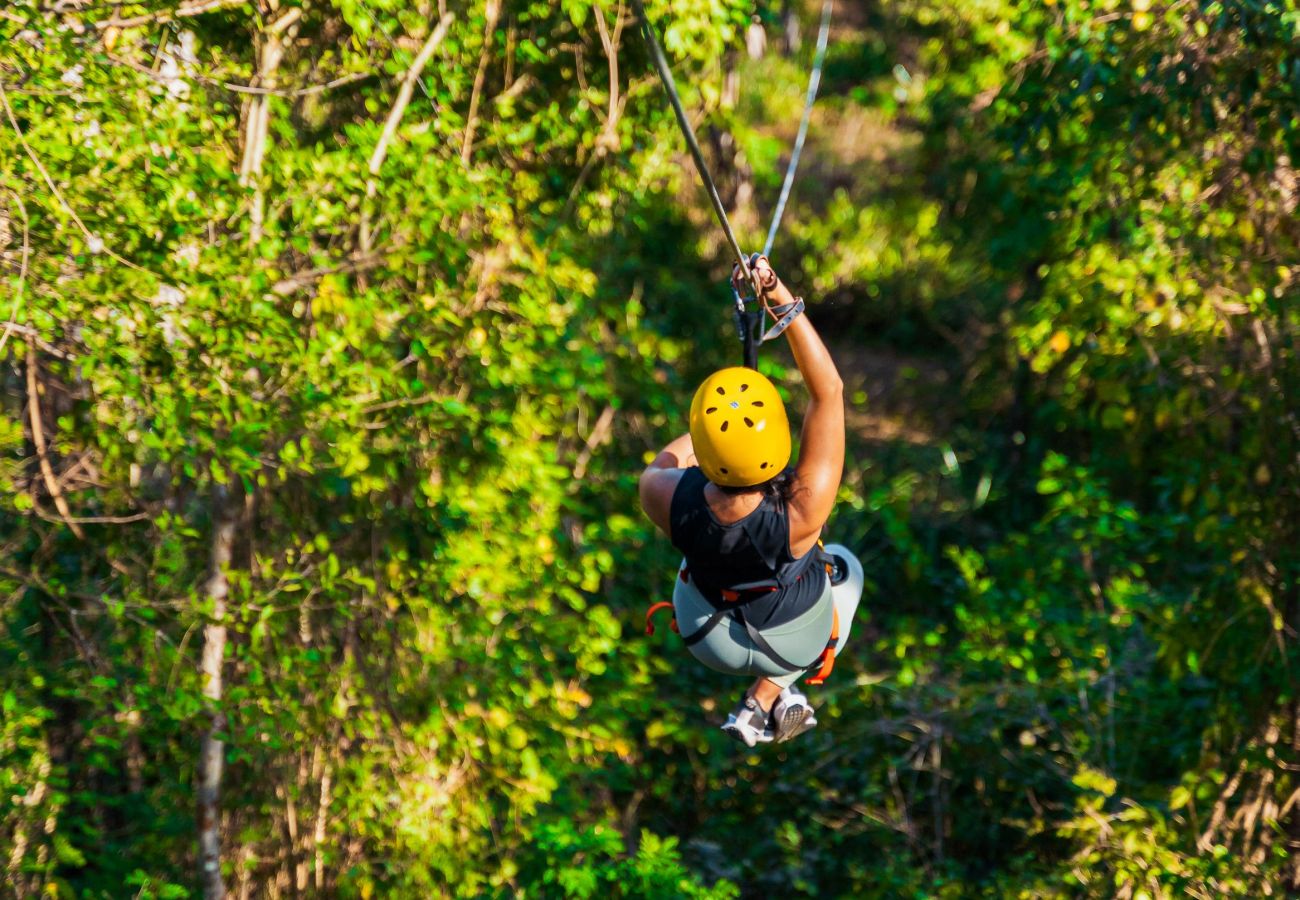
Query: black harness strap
(761, 643)
(703, 631)
(750, 593)
(755, 635)
(720, 612)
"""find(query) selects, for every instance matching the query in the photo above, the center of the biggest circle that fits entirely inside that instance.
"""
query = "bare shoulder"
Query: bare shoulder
(657, 488)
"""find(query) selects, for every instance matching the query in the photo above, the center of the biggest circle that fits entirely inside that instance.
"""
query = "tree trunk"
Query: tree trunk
(790, 19)
(756, 39)
(270, 49)
(211, 751)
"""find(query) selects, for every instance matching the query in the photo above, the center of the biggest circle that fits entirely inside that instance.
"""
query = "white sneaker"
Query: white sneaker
(748, 724)
(792, 715)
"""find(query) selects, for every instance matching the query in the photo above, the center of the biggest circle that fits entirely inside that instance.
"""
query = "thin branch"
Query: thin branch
(92, 240)
(406, 401)
(41, 344)
(611, 45)
(395, 114)
(95, 520)
(359, 263)
(493, 12)
(38, 439)
(269, 50)
(286, 92)
(600, 433)
(607, 140)
(404, 96)
(22, 272)
(254, 90)
(158, 18)
(442, 11)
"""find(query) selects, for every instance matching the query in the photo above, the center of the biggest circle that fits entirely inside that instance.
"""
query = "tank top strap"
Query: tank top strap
(768, 530)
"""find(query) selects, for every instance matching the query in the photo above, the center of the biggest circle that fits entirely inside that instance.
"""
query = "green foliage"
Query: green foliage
(430, 375)
(592, 863)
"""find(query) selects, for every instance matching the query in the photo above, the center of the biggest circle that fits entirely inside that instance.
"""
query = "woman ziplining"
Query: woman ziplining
(748, 526)
(756, 595)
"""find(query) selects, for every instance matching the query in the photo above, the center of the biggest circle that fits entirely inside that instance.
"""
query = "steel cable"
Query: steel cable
(745, 321)
(670, 86)
(814, 81)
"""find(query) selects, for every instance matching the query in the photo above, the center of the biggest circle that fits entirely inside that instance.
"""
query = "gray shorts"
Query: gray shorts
(727, 648)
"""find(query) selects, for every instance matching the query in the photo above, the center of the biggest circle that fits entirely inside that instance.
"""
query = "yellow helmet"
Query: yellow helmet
(739, 428)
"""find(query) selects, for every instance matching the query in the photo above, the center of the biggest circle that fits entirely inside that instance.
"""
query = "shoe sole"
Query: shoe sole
(735, 732)
(795, 722)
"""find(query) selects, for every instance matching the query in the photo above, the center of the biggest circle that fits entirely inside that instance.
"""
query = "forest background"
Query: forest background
(334, 336)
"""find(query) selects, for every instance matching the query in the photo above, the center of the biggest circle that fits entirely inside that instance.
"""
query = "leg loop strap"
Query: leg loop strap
(649, 615)
(828, 655)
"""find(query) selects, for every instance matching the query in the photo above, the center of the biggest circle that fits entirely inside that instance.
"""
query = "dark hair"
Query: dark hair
(780, 486)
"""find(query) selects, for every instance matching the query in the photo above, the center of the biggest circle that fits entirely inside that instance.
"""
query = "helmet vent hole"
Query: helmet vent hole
(724, 425)
(721, 391)
(711, 409)
(743, 388)
(749, 421)
(725, 472)
(756, 402)
(763, 465)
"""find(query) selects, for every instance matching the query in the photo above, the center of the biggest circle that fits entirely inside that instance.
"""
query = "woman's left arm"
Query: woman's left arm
(659, 480)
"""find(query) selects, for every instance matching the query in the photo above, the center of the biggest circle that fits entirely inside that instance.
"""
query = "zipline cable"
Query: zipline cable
(670, 86)
(814, 80)
(746, 321)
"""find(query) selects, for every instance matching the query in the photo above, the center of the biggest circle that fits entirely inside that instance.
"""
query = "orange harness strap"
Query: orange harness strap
(730, 596)
(828, 655)
(827, 659)
(649, 614)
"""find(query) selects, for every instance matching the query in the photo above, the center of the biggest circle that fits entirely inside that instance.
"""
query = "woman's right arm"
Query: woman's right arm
(821, 450)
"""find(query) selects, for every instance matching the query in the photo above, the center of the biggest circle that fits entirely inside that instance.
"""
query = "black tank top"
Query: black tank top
(754, 551)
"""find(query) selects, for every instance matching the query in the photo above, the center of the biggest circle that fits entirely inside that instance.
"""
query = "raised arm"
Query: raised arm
(821, 450)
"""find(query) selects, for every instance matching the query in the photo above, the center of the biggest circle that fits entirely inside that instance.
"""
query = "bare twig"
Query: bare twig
(38, 439)
(41, 344)
(93, 241)
(395, 114)
(607, 140)
(291, 93)
(404, 97)
(493, 12)
(22, 272)
(95, 520)
(252, 89)
(600, 433)
(611, 45)
(406, 401)
(295, 282)
(158, 18)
